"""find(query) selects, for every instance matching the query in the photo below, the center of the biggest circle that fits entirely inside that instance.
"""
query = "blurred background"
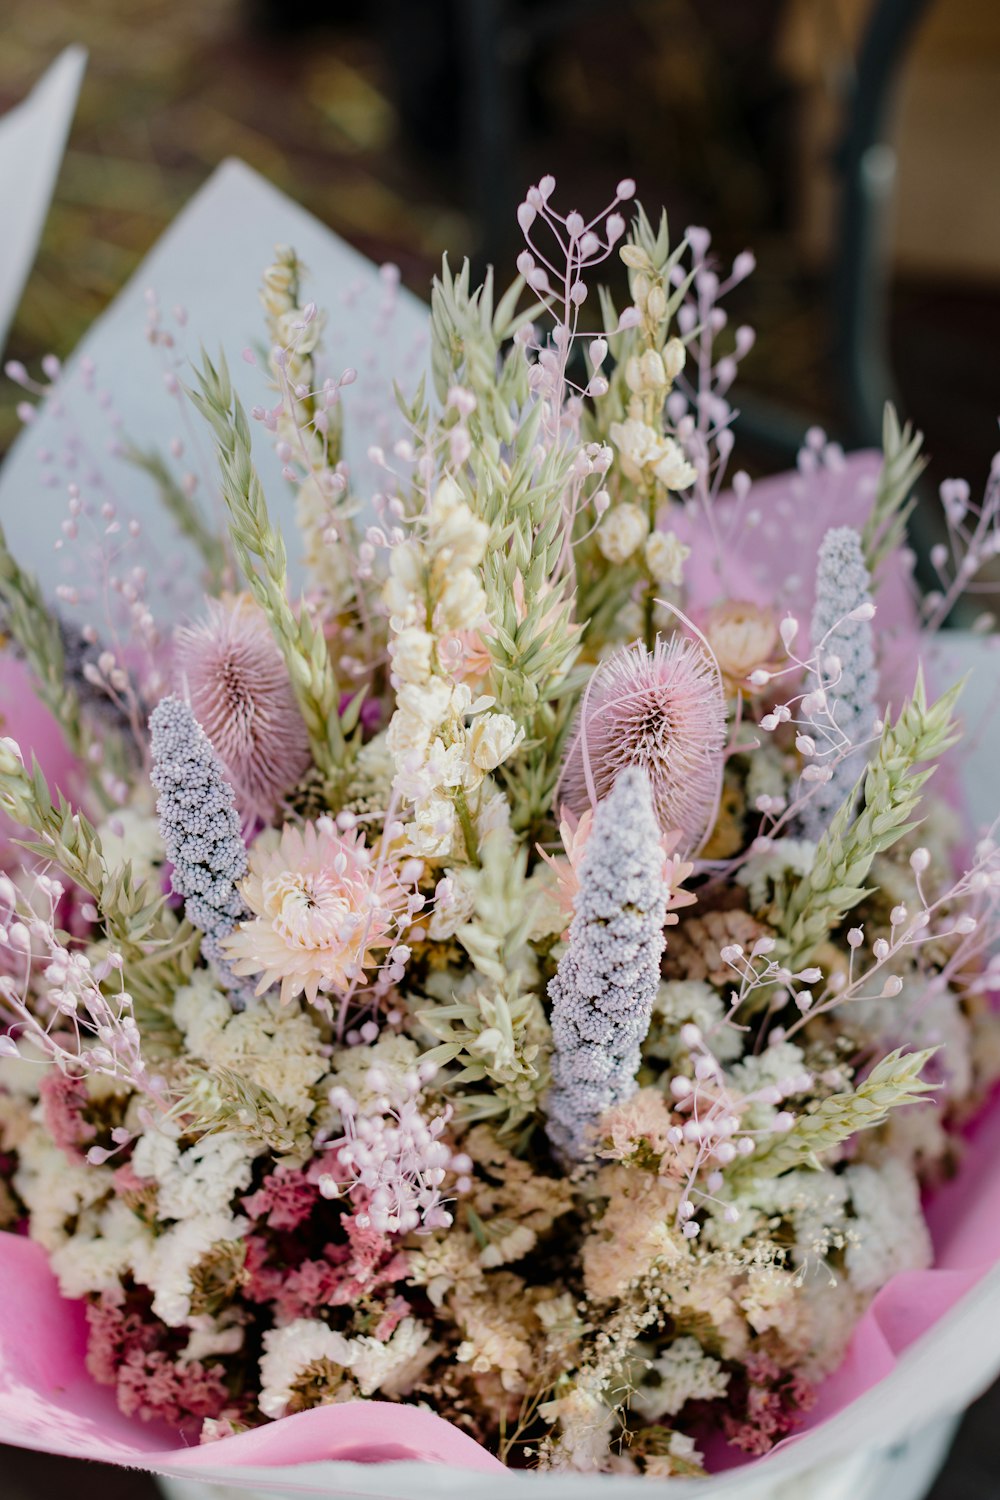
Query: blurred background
(852, 144)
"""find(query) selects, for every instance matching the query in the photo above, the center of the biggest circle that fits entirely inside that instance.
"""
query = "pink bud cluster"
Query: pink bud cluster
(69, 1020)
(392, 1160)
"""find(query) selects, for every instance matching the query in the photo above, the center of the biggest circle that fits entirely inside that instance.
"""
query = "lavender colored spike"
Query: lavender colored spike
(603, 992)
(199, 826)
(842, 585)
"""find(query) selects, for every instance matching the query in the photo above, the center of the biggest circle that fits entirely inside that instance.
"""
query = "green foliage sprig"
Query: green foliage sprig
(902, 464)
(260, 552)
(890, 787)
(894, 1081)
(35, 628)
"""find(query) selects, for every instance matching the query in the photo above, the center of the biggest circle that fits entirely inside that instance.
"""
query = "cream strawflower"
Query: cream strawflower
(323, 907)
(621, 532)
(666, 555)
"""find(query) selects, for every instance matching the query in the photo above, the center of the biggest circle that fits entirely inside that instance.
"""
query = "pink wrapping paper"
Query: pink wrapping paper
(47, 1400)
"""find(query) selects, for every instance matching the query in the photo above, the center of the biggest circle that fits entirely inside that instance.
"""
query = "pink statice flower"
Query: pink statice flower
(324, 906)
(662, 711)
(64, 1099)
(236, 682)
(284, 1200)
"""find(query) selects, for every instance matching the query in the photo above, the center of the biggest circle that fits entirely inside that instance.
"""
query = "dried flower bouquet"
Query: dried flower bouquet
(525, 977)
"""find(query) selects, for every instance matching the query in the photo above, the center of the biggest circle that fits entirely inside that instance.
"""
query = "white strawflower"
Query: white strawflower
(665, 557)
(621, 532)
(492, 739)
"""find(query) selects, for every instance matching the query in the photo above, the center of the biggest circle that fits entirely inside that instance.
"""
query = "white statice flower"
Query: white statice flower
(166, 1267)
(290, 1352)
(813, 1203)
(129, 835)
(211, 1337)
(203, 1179)
(55, 1189)
(888, 1231)
(622, 532)
(682, 1373)
(393, 1367)
(307, 1352)
(679, 1001)
(102, 1251)
(277, 1047)
(665, 556)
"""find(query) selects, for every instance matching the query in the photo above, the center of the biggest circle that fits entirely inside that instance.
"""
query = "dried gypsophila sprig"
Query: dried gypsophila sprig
(964, 916)
(891, 792)
(157, 950)
(85, 1031)
(973, 542)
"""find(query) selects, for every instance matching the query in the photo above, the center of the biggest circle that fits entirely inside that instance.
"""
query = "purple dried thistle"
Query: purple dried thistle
(662, 711)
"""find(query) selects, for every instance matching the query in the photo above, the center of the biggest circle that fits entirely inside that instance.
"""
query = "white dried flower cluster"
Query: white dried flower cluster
(307, 1352)
(437, 604)
(682, 1373)
(648, 456)
(277, 1047)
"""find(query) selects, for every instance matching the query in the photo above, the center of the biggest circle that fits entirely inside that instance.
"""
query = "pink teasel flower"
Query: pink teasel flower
(664, 712)
(324, 905)
(238, 689)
